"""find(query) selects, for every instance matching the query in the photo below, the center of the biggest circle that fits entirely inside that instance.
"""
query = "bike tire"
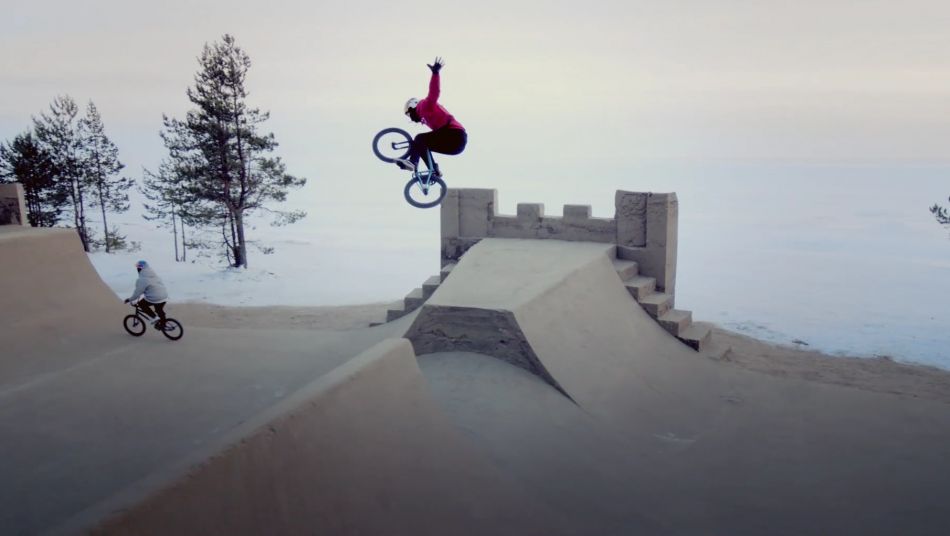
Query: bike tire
(399, 133)
(134, 325)
(173, 329)
(431, 199)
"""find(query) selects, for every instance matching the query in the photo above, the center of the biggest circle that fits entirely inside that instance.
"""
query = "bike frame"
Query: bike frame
(141, 314)
(424, 177)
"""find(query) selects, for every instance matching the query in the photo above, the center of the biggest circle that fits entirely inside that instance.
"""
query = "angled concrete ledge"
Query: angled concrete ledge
(494, 332)
(495, 292)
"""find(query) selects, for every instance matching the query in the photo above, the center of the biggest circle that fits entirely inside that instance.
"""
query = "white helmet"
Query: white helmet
(410, 104)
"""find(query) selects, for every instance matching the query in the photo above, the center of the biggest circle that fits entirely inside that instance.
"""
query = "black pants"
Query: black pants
(146, 307)
(444, 141)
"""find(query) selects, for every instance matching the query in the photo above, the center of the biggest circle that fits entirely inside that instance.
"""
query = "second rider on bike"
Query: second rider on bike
(448, 136)
(153, 293)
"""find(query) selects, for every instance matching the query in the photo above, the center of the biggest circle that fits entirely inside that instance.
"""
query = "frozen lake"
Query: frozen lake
(843, 257)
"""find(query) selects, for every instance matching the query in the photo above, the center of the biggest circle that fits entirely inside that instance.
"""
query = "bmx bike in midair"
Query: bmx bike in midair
(425, 189)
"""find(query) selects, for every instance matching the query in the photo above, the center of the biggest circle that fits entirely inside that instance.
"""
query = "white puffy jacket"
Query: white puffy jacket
(149, 284)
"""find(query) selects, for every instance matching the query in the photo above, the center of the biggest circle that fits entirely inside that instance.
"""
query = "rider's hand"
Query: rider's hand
(126, 300)
(437, 65)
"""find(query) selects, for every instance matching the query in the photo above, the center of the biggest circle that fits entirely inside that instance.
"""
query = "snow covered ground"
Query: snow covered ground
(303, 270)
(839, 258)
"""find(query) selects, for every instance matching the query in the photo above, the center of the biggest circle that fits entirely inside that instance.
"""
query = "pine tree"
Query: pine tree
(25, 161)
(167, 204)
(943, 217)
(222, 155)
(58, 135)
(100, 166)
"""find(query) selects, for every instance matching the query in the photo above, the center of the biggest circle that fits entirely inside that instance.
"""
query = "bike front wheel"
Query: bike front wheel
(134, 325)
(392, 144)
(173, 329)
(425, 195)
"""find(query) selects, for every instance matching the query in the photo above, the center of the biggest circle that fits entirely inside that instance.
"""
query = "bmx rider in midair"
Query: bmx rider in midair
(448, 136)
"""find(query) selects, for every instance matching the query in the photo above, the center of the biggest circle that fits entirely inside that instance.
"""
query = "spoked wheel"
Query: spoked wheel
(134, 325)
(422, 195)
(173, 329)
(392, 144)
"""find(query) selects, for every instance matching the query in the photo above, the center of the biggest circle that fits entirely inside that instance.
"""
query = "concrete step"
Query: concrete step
(414, 299)
(626, 269)
(716, 349)
(657, 303)
(446, 270)
(393, 314)
(428, 288)
(640, 287)
(676, 321)
(697, 335)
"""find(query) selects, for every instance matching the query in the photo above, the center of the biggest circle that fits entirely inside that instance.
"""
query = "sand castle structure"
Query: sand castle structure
(641, 242)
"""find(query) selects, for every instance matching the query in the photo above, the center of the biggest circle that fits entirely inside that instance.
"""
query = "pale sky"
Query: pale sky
(547, 89)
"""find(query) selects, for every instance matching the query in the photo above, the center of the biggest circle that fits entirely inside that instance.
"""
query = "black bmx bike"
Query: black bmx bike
(425, 189)
(137, 322)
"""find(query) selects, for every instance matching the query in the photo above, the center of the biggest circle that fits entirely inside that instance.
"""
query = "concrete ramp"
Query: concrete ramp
(545, 400)
(52, 303)
(362, 450)
(93, 420)
(559, 310)
(664, 440)
(61, 279)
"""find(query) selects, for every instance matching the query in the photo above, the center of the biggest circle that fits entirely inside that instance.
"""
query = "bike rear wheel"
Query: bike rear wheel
(422, 195)
(392, 144)
(134, 325)
(173, 329)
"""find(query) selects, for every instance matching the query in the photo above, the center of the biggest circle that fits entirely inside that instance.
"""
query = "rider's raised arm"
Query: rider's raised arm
(434, 87)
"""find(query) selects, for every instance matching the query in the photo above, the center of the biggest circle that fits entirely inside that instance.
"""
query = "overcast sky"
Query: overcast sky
(549, 90)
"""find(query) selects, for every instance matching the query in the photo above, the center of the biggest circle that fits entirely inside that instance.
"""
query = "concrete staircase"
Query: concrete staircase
(659, 305)
(418, 296)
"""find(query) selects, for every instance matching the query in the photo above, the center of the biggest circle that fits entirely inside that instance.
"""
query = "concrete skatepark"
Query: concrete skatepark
(543, 383)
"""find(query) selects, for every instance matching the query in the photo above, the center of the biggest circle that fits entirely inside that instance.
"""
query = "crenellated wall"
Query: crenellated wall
(643, 228)
(12, 205)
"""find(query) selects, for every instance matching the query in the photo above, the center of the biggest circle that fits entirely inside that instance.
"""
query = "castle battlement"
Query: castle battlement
(643, 228)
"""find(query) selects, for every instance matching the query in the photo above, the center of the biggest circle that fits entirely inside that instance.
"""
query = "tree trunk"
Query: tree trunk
(105, 224)
(32, 206)
(77, 202)
(81, 218)
(241, 253)
(175, 233)
(228, 249)
(184, 245)
(233, 244)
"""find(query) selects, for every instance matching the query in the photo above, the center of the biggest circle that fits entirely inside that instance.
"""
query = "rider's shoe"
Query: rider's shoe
(405, 164)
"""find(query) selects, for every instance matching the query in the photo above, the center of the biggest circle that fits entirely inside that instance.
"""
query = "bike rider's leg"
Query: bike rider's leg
(146, 308)
(419, 147)
(160, 309)
(450, 141)
(445, 140)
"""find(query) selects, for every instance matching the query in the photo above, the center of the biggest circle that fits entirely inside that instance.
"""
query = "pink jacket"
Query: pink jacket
(433, 114)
